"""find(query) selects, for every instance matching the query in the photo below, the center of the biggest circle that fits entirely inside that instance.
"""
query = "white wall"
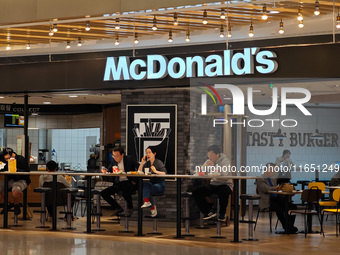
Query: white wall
(68, 135)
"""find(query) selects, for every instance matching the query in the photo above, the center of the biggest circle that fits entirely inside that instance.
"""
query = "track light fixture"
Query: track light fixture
(229, 31)
(222, 31)
(264, 13)
(68, 46)
(117, 40)
(8, 46)
(317, 9)
(28, 45)
(251, 30)
(136, 39)
(175, 19)
(222, 16)
(301, 25)
(187, 38)
(79, 42)
(300, 16)
(117, 26)
(55, 28)
(205, 15)
(87, 26)
(154, 23)
(338, 20)
(170, 37)
(281, 31)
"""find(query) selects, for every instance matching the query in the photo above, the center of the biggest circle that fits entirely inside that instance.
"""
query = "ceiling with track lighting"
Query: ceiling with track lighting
(178, 21)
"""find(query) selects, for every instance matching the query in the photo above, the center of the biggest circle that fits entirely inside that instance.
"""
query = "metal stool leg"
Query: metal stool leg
(201, 226)
(154, 232)
(187, 217)
(250, 222)
(126, 222)
(69, 212)
(219, 223)
(43, 211)
(98, 213)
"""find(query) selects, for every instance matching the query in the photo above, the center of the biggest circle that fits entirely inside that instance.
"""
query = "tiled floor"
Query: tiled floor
(28, 240)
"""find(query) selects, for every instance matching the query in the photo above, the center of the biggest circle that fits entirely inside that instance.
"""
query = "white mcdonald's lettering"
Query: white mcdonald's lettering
(158, 66)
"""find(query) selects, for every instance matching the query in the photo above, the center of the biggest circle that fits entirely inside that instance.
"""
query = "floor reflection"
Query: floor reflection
(14, 243)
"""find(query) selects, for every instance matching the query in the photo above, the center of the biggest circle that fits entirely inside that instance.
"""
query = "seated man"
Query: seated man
(274, 201)
(223, 188)
(17, 183)
(121, 183)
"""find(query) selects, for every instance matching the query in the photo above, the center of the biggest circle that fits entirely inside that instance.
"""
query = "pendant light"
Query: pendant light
(205, 16)
(264, 13)
(170, 37)
(281, 31)
(175, 19)
(317, 9)
(251, 30)
(87, 26)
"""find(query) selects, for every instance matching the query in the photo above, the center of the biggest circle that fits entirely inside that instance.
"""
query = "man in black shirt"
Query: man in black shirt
(17, 183)
(122, 183)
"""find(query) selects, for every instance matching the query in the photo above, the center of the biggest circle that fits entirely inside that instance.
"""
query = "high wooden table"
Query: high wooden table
(140, 177)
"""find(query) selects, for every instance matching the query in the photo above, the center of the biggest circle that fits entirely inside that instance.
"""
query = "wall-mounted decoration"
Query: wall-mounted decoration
(153, 125)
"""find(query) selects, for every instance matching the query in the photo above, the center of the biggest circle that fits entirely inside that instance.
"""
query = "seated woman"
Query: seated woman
(156, 185)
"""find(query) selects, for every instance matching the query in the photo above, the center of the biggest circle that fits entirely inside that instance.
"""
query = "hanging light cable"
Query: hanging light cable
(281, 31)
(317, 9)
(87, 26)
(170, 37)
(205, 15)
(154, 23)
(117, 26)
(264, 13)
(175, 19)
(222, 16)
(251, 30)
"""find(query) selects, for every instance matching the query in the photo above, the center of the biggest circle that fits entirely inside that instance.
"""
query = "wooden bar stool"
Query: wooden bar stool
(42, 211)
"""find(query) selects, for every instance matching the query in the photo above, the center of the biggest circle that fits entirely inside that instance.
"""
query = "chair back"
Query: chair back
(61, 197)
(312, 195)
(336, 195)
(320, 185)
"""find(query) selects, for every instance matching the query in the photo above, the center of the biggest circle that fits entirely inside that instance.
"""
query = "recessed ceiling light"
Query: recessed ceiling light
(274, 12)
(46, 102)
(227, 98)
(2, 97)
(72, 96)
(257, 90)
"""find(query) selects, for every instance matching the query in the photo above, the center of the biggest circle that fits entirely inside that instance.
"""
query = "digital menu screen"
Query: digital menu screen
(14, 120)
